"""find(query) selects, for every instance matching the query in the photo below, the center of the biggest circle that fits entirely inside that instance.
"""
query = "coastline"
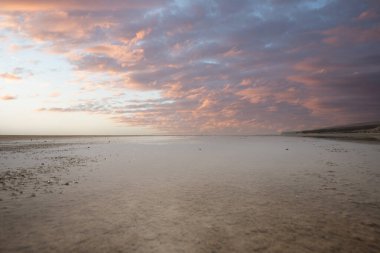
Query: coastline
(360, 132)
(370, 137)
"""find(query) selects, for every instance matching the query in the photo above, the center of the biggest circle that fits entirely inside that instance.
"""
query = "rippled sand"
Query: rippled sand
(189, 194)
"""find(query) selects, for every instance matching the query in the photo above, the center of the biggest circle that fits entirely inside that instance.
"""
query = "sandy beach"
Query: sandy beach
(189, 194)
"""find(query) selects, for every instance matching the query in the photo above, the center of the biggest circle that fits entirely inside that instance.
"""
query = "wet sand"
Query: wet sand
(189, 194)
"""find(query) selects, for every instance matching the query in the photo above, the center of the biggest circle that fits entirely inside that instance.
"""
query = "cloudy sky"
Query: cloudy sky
(187, 66)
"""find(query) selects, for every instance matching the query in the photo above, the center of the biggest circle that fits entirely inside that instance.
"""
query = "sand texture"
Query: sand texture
(189, 194)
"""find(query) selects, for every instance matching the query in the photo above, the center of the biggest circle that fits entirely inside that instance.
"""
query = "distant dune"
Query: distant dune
(362, 131)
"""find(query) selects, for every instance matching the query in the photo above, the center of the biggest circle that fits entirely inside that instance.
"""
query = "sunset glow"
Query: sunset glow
(187, 67)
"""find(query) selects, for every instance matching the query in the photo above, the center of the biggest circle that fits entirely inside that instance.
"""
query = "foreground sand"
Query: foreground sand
(189, 194)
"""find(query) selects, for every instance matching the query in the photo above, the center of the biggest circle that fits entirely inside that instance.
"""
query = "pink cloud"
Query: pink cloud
(54, 94)
(365, 15)
(262, 94)
(10, 76)
(304, 79)
(125, 55)
(233, 52)
(62, 26)
(344, 35)
(311, 65)
(49, 5)
(318, 107)
(17, 48)
(8, 97)
(255, 95)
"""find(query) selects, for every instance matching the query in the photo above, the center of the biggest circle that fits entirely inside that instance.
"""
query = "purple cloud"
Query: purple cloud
(224, 66)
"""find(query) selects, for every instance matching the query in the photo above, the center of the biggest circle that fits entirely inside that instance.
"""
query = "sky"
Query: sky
(187, 66)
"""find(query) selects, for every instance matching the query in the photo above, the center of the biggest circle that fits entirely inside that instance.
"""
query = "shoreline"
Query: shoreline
(369, 131)
(367, 137)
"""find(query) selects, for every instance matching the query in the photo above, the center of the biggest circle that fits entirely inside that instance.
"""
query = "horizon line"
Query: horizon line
(126, 135)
